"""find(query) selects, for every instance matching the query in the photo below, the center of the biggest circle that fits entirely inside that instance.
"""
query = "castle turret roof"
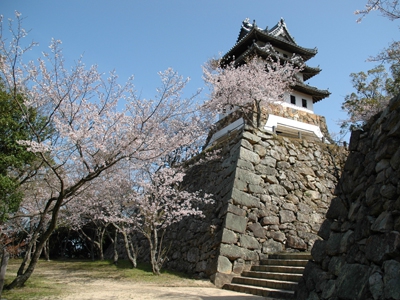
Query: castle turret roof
(275, 42)
(278, 36)
(315, 93)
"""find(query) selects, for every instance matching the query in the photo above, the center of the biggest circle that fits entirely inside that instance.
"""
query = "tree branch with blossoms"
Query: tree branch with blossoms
(388, 8)
(248, 87)
(159, 201)
(94, 124)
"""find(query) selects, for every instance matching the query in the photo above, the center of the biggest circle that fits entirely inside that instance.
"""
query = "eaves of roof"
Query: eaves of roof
(276, 41)
(307, 71)
(316, 94)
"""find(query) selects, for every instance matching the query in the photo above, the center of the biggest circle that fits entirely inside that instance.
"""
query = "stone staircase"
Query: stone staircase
(276, 277)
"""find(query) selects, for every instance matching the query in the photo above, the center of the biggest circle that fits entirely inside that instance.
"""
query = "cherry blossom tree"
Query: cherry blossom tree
(29, 219)
(158, 201)
(390, 56)
(92, 230)
(375, 87)
(101, 206)
(250, 86)
(143, 202)
(117, 210)
(95, 124)
(371, 97)
(388, 8)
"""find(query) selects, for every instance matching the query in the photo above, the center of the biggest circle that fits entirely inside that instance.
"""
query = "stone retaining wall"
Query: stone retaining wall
(271, 195)
(358, 256)
(194, 242)
(298, 115)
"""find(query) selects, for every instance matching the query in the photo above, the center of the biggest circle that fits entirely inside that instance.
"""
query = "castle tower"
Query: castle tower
(297, 117)
(271, 191)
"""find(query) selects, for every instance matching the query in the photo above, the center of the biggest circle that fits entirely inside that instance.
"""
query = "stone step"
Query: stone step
(279, 269)
(267, 283)
(273, 275)
(277, 277)
(296, 255)
(260, 291)
(285, 262)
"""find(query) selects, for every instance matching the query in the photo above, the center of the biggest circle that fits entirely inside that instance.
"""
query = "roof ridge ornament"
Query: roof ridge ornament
(277, 34)
(253, 40)
(246, 23)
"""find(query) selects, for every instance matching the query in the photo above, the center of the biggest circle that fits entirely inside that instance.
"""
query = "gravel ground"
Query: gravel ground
(111, 289)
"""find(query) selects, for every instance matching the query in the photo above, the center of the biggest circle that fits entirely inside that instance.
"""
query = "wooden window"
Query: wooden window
(304, 102)
(293, 99)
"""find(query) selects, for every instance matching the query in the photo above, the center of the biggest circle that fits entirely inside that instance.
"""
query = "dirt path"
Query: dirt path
(111, 289)
(79, 285)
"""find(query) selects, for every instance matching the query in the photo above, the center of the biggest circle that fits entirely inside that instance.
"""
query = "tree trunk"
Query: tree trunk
(101, 239)
(134, 251)
(153, 240)
(91, 247)
(20, 280)
(115, 258)
(46, 250)
(130, 252)
(93, 243)
(28, 254)
(153, 259)
(64, 249)
(26, 258)
(3, 268)
(258, 113)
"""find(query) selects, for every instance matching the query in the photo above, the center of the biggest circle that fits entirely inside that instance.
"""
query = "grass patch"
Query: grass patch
(50, 278)
(37, 287)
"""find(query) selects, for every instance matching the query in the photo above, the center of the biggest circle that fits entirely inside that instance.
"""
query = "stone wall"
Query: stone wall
(279, 110)
(194, 243)
(281, 192)
(271, 195)
(299, 115)
(358, 256)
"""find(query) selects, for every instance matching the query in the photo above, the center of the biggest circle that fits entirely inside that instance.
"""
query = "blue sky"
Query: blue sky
(141, 38)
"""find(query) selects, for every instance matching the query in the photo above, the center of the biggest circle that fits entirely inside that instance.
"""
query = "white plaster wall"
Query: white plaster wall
(274, 121)
(299, 96)
(231, 127)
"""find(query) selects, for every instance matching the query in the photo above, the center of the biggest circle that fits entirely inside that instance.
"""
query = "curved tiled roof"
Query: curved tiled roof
(316, 94)
(309, 72)
(253, 40)
(250, 33)
(264, 52)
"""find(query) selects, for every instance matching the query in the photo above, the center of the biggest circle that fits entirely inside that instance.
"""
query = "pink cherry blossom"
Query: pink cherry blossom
(94, 126)
(250, 86)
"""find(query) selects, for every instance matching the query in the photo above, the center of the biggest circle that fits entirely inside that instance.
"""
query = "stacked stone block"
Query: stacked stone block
(281, 192)
(271, 195)
(358, 256)
(298, 115)
(195, 242)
